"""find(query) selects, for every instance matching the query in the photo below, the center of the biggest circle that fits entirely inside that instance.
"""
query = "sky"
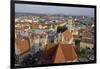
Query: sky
(44, 9)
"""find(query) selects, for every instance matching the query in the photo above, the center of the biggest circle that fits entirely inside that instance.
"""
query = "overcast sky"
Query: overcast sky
(44, 9)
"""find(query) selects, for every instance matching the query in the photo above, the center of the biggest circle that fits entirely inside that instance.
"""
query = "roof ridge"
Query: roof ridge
(63, 52)
(56, 53)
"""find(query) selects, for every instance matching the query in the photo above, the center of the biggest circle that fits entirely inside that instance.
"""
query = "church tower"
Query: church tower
(70, 22)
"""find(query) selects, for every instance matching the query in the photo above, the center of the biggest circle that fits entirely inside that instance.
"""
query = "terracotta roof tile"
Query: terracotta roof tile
(67, 35)
(22, 44)
(58, 53)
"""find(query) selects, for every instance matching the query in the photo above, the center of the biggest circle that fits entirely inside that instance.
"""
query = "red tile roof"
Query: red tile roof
(34, 26)
(58, 53)
(22, 44)
(87, 33)
(67, 35)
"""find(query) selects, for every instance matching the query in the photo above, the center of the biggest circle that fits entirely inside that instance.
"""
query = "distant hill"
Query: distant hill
(38, 14)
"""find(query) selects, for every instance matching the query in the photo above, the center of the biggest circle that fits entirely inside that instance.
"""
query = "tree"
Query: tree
(61, 29)
(77, 43)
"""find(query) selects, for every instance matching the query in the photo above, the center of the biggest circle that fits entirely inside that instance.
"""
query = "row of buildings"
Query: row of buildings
(57, 47)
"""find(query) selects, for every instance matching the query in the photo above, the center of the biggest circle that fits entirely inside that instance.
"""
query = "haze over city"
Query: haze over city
(44, 9)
